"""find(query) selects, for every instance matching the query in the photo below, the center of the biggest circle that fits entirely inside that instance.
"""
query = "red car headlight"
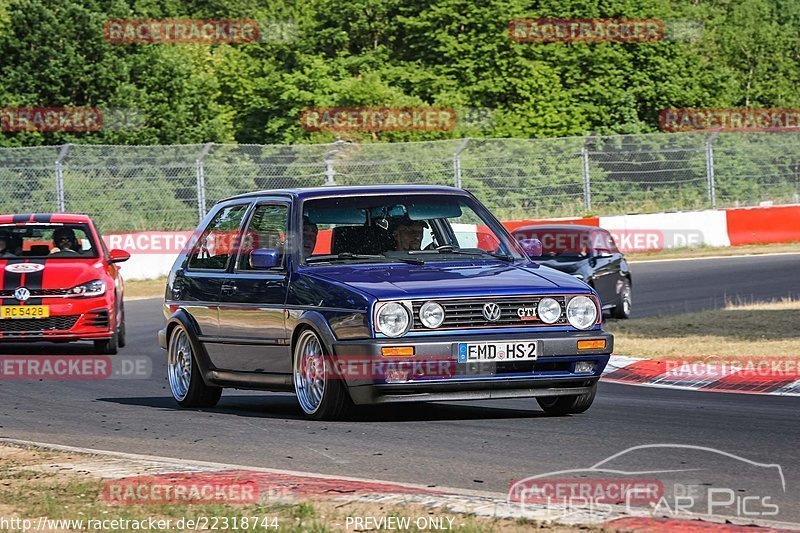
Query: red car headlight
(92, 288)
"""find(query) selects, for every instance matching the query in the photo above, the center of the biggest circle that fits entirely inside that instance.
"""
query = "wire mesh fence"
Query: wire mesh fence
(170, 187)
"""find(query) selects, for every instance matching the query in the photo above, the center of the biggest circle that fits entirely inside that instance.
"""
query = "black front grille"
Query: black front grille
(468, 313)
(35, 293)
(98, 319)
(53, 323)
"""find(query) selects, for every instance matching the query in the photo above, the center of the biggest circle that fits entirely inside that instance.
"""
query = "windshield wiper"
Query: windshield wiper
(451, 249)
(343, 256)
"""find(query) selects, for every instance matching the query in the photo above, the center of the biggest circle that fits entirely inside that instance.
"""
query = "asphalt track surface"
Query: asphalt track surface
(477, 445)
(670, 287)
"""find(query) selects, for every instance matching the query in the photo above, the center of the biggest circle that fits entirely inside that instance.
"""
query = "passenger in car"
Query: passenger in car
(408, 233)
(310, 231)
(6, 245)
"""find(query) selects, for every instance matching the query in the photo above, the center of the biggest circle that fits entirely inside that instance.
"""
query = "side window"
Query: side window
(266, 229)
(215, 246)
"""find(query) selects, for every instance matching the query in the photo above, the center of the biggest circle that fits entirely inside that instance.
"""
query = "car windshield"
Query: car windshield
(51, 241)
(409, 228)
(561, 244)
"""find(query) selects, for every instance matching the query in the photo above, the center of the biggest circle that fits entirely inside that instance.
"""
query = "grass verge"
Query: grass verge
(713, 251)
(145, 288)
(738, 331)
(30, 489)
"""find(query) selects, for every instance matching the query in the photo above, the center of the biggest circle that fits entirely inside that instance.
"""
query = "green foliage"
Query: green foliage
(453, 53)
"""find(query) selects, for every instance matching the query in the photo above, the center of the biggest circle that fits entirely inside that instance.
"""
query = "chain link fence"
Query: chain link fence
(128, 188)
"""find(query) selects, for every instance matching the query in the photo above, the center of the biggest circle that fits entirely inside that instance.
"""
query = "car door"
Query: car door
(205, 270)
(252, 303)
(605, 263)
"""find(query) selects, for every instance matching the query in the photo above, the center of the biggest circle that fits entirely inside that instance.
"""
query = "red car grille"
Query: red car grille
(39, 293)
(53, 323)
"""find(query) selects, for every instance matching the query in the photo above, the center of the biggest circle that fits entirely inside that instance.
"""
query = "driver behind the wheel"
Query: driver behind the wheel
(64, 240)
(408, 233)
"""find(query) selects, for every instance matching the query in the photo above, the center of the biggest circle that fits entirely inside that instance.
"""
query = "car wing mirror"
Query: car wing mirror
(532, 247)
(265, 258)
(118, 256)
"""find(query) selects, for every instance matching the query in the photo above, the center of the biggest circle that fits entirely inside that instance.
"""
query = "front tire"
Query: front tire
(185, 382)
(121, 330)
(567, 405)
(321, 395)
(623, 309)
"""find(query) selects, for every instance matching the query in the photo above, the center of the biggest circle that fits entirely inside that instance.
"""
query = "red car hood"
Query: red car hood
(55, 274)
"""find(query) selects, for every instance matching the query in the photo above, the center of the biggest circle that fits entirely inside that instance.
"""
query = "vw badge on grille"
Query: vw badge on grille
(22, 294)
(491, 312)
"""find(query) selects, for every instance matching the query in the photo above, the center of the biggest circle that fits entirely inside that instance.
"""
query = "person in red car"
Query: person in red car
(59, 283)
(64, 241)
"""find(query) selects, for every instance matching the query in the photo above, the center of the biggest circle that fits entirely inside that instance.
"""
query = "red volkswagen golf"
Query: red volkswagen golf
(59, 282)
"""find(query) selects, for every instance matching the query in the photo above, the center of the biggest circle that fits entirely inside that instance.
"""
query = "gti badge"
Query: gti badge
(491, 312)
(22, 294)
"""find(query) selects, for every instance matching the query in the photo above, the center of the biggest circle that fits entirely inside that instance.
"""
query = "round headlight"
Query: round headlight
(549, 310)
(393, 319)
(582, 312)
(431, 314)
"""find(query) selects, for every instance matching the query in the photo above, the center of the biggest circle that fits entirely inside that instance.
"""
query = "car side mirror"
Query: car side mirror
(602, 253)
(118, 256)
(532, 247)
(265, 258)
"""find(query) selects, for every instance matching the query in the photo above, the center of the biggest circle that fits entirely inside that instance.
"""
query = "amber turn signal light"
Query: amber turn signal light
(595, 344)
(397, 351)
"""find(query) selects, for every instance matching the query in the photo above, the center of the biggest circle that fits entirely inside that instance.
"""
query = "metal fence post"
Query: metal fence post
(60, 178)
(457, 162)
(712, 187)
(330, 172)
(587, 190)
(200, 173)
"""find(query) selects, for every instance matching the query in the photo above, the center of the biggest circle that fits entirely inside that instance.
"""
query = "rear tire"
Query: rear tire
(567, 405)
(319, 396)
(623, 309)
(185, 382)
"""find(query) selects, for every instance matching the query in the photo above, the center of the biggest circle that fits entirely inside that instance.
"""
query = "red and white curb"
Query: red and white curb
(304, 485)
(750, 377)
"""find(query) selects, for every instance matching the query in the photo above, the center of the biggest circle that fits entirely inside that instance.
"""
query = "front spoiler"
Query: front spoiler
(558, 348)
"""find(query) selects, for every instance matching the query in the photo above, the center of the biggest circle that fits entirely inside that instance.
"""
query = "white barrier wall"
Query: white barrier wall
(671, 230)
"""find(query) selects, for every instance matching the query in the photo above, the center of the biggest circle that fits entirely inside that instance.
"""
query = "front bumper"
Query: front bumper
(70, 320)
(552, 374)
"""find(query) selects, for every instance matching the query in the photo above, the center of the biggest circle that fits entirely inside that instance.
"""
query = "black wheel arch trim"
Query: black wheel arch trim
(183, 318)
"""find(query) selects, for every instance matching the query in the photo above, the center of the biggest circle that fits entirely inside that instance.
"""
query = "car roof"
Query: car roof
(351, 190)
(558, 227)
(44, 218)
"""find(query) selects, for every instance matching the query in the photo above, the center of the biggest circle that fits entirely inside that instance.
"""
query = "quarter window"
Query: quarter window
(267, 229)
(216, 245)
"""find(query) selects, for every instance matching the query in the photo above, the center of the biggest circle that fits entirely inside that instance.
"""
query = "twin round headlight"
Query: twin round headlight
(394, 319)
(581, 311)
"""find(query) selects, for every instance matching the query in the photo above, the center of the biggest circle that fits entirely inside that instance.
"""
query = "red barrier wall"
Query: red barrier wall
(763, 225)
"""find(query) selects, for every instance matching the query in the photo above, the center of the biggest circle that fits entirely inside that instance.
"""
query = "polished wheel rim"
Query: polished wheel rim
(309, 372)
(626, 301)
(179, 364)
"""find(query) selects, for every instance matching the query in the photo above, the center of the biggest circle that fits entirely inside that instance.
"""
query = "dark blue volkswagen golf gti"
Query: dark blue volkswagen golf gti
(375, 294)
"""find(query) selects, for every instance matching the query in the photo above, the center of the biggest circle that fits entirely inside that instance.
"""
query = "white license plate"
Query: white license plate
(496, 352)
